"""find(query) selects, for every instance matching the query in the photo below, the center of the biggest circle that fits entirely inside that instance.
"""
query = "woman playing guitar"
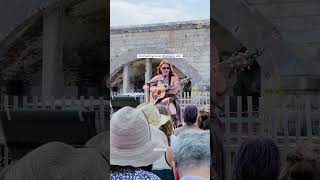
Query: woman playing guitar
(167, 77)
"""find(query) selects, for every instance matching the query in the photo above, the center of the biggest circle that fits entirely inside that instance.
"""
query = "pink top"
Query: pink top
(174, 81)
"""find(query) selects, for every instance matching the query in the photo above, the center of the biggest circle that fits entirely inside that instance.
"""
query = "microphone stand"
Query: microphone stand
(149, 86)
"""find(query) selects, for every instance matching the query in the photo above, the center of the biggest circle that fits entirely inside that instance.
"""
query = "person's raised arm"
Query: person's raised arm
(153, 80)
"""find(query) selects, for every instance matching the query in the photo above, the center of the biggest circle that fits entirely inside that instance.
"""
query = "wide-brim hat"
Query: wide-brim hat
(59, 161)
(131, 142)
(153, 115)
(101, 142)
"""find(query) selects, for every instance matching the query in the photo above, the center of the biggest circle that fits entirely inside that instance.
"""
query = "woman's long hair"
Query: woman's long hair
(171, 73)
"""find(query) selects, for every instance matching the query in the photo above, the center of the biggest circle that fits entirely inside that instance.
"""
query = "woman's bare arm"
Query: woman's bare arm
(176, 86)
(154, 79)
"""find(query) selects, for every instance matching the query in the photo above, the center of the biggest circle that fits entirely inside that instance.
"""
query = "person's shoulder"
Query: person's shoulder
(157, 77)
(160, 136)
(178, 130)
(175, 77)
(191, 178)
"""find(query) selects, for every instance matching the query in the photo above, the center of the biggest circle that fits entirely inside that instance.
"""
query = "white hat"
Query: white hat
(153, 116)
(130, 139)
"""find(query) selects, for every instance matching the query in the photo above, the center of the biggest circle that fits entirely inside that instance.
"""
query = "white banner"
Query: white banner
(178, 56)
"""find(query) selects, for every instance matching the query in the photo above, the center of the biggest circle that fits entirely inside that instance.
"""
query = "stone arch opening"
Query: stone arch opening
(241, 80)
(131, 55)
(236, 72)
(137, 75)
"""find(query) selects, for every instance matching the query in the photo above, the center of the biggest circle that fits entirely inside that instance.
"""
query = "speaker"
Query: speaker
(119, 102)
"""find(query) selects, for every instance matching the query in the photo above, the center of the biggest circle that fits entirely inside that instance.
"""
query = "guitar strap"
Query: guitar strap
(162, 79)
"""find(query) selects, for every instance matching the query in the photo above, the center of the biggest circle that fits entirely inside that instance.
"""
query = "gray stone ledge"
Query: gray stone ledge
(296, 84)
(161, 27)
(306, 83)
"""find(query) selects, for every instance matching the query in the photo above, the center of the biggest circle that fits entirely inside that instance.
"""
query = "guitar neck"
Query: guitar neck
(184, 81)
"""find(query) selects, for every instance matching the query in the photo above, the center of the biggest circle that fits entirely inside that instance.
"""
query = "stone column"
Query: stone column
(126, 78)
(147, 76)
(52, 64)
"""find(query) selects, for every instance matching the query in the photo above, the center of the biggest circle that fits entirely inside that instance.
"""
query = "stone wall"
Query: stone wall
(192, 39)
(298, 22)
(287, 31)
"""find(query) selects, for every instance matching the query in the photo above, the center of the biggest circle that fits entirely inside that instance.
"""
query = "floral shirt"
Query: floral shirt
(137, 174)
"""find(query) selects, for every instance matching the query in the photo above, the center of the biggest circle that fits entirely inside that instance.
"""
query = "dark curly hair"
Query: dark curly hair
(190, 114)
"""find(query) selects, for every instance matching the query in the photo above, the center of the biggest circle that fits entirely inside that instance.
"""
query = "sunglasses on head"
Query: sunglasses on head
(165, 68)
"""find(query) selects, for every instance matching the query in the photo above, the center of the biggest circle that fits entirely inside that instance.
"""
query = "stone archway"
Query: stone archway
(37, 35)
(239, 80)
(131, 55)
(18, 22)
(140, 71)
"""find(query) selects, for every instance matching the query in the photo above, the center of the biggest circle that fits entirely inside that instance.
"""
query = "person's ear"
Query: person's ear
(175, 171)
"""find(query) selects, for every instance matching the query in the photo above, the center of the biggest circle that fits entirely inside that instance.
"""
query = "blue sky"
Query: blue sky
(134, 12)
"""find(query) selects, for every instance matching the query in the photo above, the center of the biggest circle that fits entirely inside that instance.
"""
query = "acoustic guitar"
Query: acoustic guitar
(161, 90)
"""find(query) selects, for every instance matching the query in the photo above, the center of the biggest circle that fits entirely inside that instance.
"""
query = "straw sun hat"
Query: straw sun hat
(130, 139)
(153, 116)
